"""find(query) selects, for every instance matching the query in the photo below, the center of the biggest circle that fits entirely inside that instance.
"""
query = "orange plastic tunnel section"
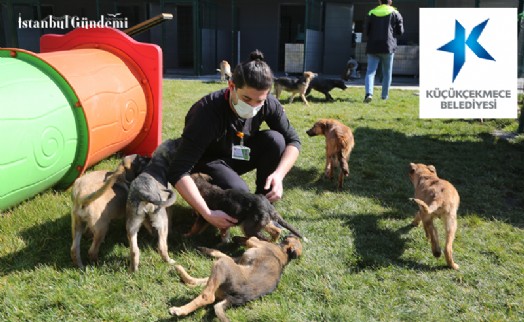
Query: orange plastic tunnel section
(118, 83)
(113, 100)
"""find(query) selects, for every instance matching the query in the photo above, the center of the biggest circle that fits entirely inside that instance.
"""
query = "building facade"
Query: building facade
(295, 35)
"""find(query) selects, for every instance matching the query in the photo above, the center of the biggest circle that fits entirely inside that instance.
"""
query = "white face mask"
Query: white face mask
(243, 109)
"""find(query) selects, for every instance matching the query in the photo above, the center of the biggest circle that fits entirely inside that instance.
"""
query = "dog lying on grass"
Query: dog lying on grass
(253, 211)
(149, 195)
(339, 143)
(99, 197)
(325, 85)
(436, 198)
(235, 281)
(297, 86)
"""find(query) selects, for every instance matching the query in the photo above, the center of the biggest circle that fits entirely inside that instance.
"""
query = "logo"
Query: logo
(65, 22)
(468, 63)
(458, 46)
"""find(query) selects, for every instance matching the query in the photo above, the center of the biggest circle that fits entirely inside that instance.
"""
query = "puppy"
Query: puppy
(149, 195)
(325, 85)
(225, 71)
(99, 197)
(294, 85)
(253, 211)
(235, 281)
(435, 198)
(351, 71)
(339, 143)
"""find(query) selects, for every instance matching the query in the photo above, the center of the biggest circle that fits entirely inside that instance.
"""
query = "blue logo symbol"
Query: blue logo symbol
(458, 46)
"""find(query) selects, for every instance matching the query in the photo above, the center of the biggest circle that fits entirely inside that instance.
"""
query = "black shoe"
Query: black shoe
(368, 98)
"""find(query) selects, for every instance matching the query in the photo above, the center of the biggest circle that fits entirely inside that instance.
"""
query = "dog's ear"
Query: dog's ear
(432, 169)
(128, 161)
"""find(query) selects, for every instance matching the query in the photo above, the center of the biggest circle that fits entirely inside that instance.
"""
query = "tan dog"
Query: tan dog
(435, 198)
(225, 71)
(339, 143)
(99, 197)
(295, 86)
(235, 281)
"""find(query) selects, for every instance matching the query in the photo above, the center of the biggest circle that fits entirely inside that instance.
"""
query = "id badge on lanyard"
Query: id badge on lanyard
(240, 152)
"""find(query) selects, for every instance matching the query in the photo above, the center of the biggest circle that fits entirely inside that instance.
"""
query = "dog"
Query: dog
(149, 195)
(436, 198)
(235, 281)
(99, 197)
(254, 212)
(339, 143)
(325, 85)
(351, 71)
(225, 71)
(294, 85)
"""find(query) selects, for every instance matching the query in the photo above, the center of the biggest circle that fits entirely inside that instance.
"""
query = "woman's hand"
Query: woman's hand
(220, 219)
(274, 181)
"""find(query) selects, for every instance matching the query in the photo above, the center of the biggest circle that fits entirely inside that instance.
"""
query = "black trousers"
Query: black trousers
(266, 147)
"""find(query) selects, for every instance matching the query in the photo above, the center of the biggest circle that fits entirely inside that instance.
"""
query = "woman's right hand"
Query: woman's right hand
(220, 219)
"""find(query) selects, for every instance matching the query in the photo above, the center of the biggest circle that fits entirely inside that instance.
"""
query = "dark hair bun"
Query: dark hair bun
(256, 55)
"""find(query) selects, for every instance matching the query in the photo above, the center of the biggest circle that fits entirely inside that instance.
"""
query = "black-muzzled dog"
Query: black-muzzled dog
(235, 281)
(325, 85)
(149, 195)
(253, 211)
(297, 86)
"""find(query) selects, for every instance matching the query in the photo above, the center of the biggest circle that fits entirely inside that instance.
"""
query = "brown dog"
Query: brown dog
(295, 86)
(99, 197)
(225, 71)
(339, 143)
(235, 281)
(435, 198)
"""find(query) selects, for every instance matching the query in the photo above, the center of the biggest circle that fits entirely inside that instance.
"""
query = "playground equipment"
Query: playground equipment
(89, 94)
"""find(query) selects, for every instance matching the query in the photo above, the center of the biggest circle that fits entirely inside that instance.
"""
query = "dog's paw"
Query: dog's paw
(175, 310)
(455, 266)
(171, 261)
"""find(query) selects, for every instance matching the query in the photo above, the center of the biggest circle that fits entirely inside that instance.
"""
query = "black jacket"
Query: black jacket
(211, 129)
(384, 25)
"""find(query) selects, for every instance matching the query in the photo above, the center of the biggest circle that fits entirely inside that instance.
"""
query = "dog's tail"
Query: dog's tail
(188, 279)
(108, 184)
(170, 199)
(156, 198)
(278, 218)
(423, 206)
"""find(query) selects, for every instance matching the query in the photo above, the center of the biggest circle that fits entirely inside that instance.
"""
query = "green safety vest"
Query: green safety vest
(382, 10)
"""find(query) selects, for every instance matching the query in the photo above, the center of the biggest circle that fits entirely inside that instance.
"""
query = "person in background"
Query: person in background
(222, 138)
(384, 24)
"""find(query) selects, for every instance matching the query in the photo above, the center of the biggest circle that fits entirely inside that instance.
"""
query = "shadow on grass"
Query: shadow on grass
(45, 244)
(487, 173)
(378, 247)
(49, 244)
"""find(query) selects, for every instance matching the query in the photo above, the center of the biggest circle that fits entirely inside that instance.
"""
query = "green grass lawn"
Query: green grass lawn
(363, 261)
